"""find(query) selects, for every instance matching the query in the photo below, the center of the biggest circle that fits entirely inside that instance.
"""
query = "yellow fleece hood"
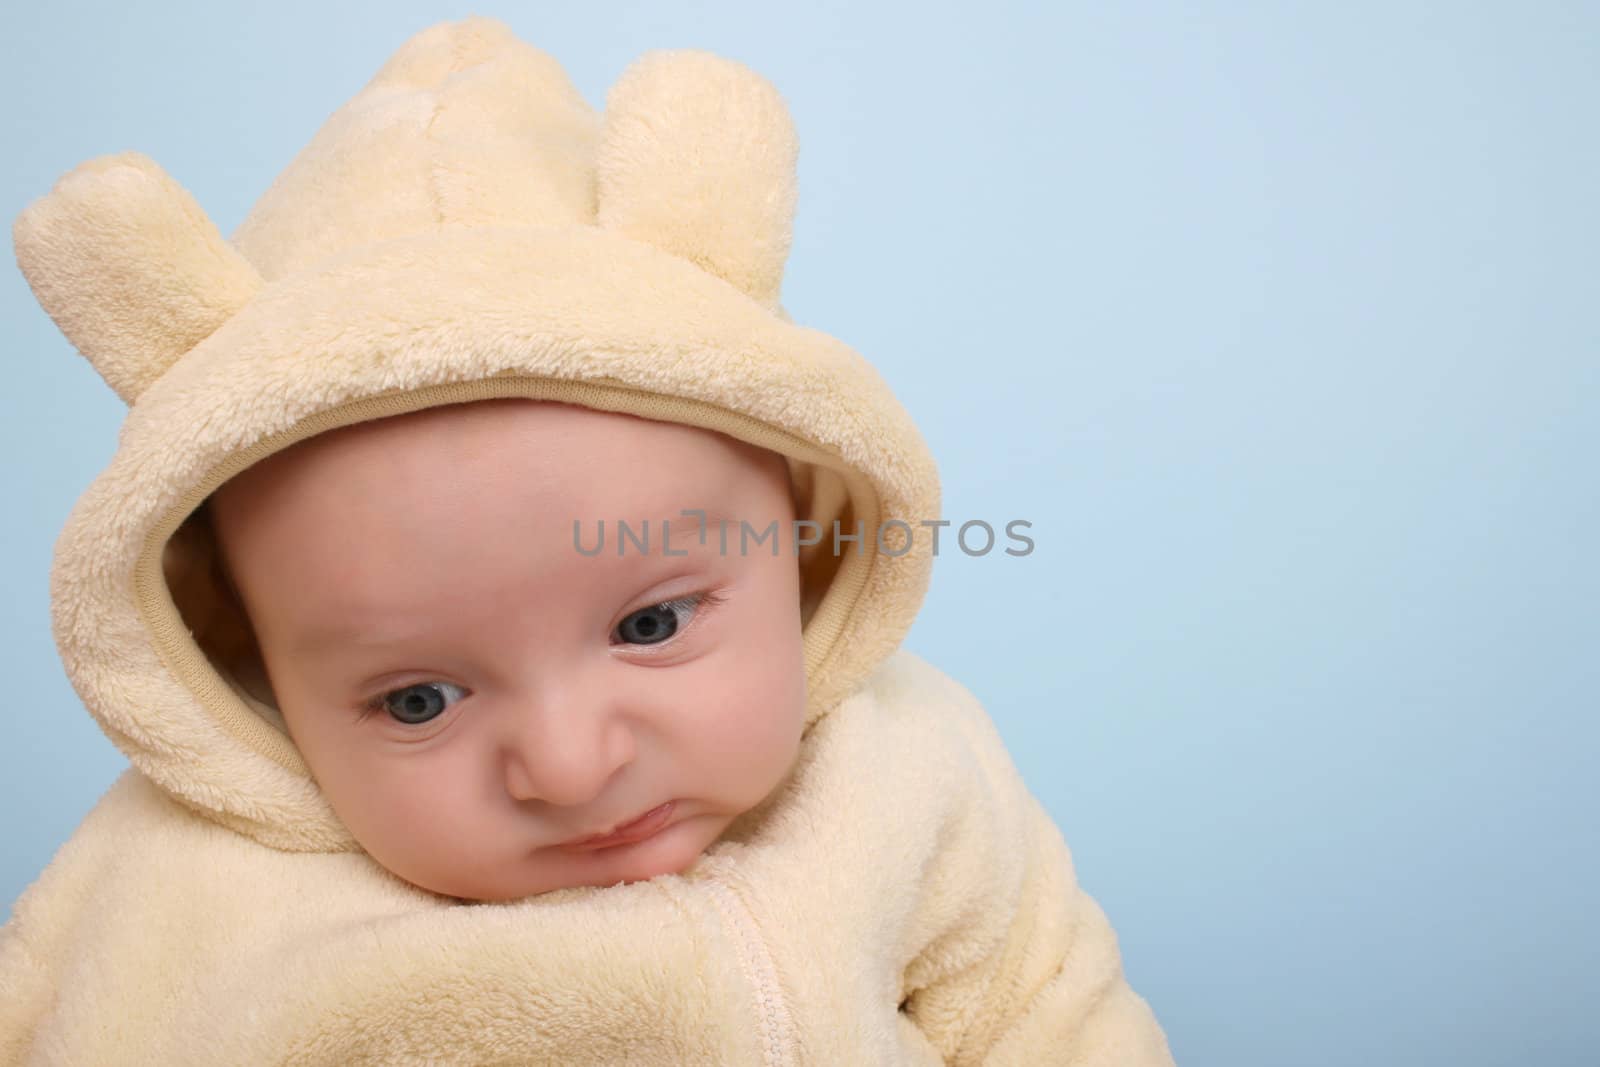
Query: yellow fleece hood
(465, 227)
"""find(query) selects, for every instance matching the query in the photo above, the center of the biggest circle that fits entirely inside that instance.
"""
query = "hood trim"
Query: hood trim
(618, 323)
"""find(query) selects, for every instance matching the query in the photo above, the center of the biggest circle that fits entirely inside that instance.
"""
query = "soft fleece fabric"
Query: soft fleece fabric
(468, 227)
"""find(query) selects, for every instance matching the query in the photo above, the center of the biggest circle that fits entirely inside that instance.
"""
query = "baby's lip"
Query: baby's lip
(635, 828)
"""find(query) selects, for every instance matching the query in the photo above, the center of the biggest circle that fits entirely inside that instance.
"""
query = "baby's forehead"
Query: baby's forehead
(569, 462)
(469, 507)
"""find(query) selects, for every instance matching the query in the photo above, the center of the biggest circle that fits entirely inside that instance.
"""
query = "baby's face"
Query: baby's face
(470, 690)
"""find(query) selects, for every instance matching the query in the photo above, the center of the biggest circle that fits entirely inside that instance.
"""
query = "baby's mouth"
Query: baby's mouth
(633, 830)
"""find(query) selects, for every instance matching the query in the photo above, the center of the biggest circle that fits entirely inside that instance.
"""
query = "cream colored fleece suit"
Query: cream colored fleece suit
(468, 227)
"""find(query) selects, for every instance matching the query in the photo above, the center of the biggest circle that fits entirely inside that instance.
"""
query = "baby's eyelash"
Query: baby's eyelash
(709, 598)
(375, 704)
(701, 603)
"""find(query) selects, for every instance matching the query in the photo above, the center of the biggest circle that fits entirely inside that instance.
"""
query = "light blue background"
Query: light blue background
(1277, 322)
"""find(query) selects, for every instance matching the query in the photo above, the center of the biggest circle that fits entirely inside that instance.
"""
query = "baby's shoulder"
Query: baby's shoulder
(910, 713)
(908, 692)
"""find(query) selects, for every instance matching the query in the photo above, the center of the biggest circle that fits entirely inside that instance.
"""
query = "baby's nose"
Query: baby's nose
(565, 752)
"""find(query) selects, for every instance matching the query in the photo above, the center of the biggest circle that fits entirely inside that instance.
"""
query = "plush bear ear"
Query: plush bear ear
(129, 267)
(697, 157)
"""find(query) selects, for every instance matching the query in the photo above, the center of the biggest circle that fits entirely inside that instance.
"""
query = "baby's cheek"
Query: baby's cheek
(406, 815)
(751, 729)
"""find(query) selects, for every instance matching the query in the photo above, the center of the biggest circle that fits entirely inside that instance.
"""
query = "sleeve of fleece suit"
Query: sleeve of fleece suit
(54, 926)
(1024, 967)
(24, 991)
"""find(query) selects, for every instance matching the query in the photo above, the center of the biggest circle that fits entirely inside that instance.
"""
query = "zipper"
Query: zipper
(774, 1022)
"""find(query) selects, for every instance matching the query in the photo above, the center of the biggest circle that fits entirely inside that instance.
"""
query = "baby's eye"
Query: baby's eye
(655, 624)
(414, 705)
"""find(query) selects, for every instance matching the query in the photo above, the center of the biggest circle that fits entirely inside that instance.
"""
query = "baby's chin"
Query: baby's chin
(673, 850)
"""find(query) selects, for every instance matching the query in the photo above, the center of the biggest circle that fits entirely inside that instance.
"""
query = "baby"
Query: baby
(499, 600)
(475, 693)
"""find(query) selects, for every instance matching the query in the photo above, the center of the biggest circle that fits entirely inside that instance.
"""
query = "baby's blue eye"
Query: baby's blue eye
(655, 624)
(417, 704)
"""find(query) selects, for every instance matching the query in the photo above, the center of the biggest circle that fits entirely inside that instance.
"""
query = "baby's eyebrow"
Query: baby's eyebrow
(699, 521)
(321, 634)
(685, 538)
